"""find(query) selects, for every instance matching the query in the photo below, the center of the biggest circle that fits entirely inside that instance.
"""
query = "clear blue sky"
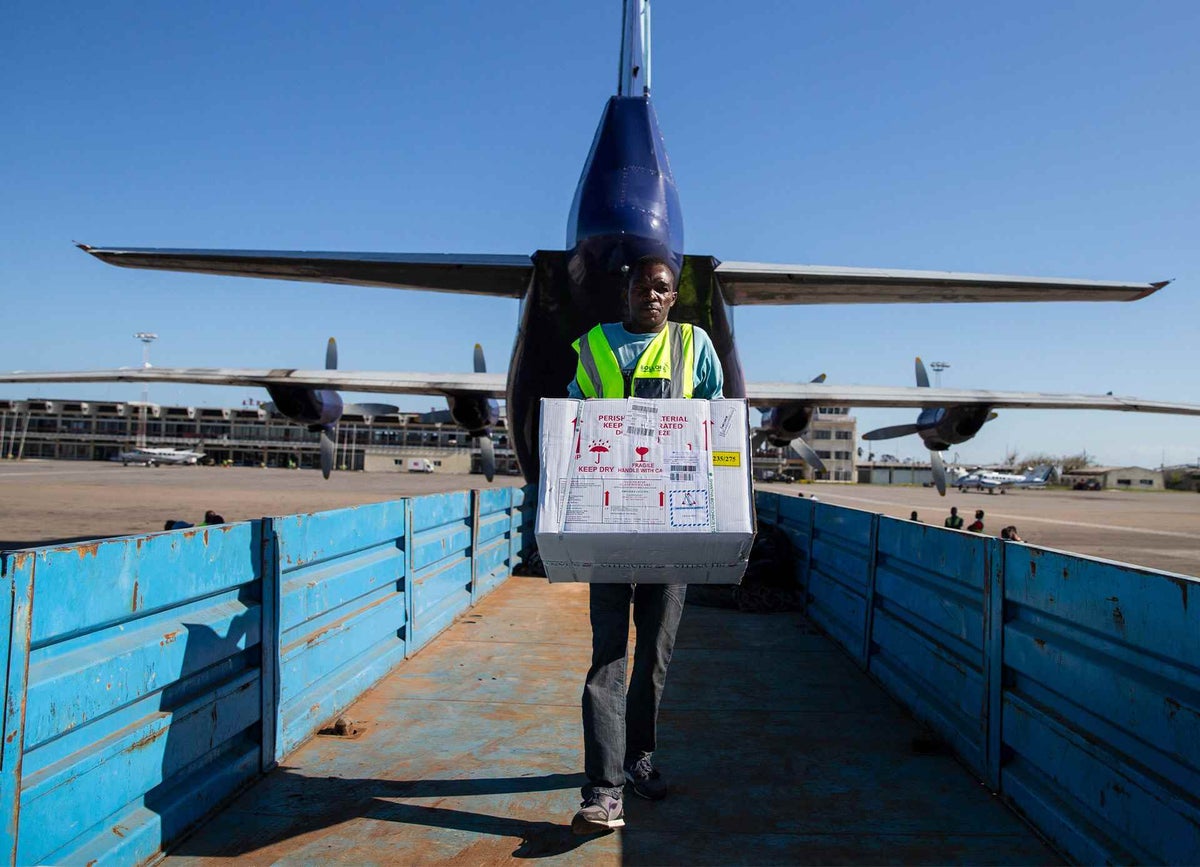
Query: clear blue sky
(1029, 138)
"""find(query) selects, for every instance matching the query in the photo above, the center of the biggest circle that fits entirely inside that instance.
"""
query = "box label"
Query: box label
(727, 459)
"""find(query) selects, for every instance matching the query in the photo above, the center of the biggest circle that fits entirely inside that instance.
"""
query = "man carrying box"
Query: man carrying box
(644, 356)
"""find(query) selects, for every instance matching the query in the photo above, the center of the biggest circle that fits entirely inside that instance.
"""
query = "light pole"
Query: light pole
(147, 337)
(938, 367)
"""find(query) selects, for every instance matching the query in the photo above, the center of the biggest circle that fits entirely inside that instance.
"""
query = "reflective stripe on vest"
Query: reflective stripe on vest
(666, 368)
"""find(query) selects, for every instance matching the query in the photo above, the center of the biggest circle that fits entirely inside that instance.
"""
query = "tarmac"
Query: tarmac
(46, 502)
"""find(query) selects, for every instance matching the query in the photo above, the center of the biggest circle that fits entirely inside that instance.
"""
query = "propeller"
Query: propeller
(929, 420)
(328, 445)
(487, 451)
(764, 435)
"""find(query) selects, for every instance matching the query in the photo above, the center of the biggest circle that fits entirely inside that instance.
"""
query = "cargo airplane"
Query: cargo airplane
(626, 206)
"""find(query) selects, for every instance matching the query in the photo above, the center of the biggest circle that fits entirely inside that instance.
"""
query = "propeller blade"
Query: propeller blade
(922, 376)
(328, 448)
(480, 364)
(820, 378)
(992, 416)
(487, 456)
(939, 472)
(806, 452)
(370, 410)
(269, 406)
(331, 354)
(897, 430)
(756, 442)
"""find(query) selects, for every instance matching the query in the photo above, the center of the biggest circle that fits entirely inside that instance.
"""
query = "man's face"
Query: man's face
(650, 296)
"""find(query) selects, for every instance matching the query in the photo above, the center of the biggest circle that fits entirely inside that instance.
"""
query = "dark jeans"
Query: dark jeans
(619, 728)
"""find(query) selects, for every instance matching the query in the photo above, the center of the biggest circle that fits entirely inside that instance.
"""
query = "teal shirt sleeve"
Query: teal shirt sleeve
(710, 378)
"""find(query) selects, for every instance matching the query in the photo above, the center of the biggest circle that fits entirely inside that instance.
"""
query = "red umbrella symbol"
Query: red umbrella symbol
(599, 447)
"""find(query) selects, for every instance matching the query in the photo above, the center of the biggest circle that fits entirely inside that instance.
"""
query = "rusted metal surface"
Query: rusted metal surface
(142, 704)
(779, 751)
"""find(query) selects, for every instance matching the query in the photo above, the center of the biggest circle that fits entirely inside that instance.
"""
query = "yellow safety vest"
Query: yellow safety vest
(666, 368)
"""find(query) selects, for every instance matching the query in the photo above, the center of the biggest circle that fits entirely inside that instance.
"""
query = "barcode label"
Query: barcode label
(642, 407)
(682, 468)
(641, 431)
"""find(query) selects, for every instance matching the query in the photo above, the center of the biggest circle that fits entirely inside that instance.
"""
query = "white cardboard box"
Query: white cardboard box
(645, 491)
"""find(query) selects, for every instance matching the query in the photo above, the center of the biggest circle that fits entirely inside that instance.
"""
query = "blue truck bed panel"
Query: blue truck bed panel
(149, 681)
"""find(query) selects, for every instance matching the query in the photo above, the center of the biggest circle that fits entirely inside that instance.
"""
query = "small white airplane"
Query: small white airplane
(155, 457)
(987, 480)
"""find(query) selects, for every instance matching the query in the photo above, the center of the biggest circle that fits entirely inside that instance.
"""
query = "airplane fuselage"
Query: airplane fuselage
(626, 206)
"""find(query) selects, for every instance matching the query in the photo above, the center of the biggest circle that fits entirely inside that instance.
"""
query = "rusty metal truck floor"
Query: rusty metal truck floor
(779, 751)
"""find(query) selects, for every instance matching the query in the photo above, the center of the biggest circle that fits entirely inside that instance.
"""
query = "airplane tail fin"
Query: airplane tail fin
(634, 77)
(1041, 473)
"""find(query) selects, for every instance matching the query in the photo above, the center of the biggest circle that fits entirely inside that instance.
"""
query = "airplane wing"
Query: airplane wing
(821, 394)
(757, 283)
(495, 275)
(508, 276)
(490, 385)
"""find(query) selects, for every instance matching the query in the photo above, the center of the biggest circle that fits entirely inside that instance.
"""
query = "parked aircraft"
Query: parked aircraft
(939, 427)
(990, 481)
(156, 456)
(626, 205)
(319, 409)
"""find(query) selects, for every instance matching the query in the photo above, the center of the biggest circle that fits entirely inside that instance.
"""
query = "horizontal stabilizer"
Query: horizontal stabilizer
(757, 283)
(370, 410)
(498, 276)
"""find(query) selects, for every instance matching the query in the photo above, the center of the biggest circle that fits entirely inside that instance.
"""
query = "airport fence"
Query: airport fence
(1069, 685)
(150, 678)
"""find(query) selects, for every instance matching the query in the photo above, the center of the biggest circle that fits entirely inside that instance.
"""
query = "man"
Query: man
(977, 525)
(642, 356)
(954, 522)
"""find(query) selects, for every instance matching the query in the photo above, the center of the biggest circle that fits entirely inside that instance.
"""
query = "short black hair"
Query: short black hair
(648, 261)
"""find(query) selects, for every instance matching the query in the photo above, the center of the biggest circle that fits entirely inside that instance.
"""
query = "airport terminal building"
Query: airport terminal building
(249, 435)
(239, 436)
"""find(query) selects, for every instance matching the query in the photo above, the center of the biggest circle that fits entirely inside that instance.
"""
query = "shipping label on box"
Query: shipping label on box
(644, 490)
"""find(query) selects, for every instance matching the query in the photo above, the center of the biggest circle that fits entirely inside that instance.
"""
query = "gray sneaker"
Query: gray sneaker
(599, 812)
(646, 781)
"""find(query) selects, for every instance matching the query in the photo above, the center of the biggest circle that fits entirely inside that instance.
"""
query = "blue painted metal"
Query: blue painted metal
(150, 678)
(993, 658)
(15, 610)
(440, 563)
(1070, 685)
(493, 540)
(142, 704)
(928, 635)
(1101, 719)
(795, 517)
(270, 602)
(839, 570)
(342, 620)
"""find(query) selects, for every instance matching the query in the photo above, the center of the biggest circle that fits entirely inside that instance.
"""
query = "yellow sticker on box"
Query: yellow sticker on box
(727, 459)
